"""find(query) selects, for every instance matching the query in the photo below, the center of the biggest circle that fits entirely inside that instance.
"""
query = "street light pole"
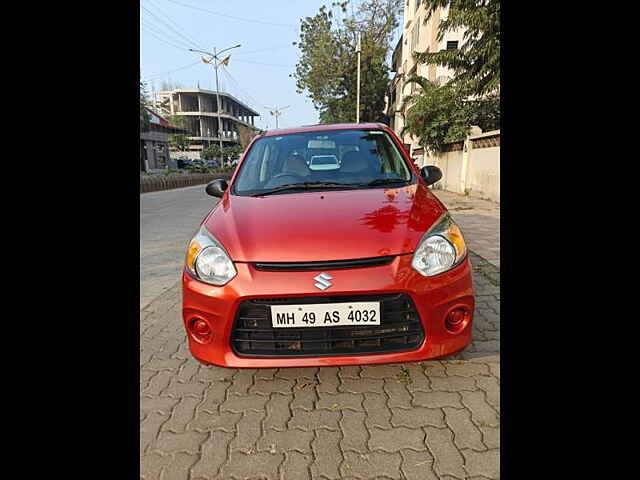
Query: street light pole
(358, 49)
(276, 112)
(218, 109)
(216, 64)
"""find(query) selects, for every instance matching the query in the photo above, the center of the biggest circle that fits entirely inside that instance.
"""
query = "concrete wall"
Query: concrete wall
(451, 165)
(483, 178)
(474, 170)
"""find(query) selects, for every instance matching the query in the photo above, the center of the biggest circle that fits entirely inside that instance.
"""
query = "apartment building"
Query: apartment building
(419, 36)
(200, 108)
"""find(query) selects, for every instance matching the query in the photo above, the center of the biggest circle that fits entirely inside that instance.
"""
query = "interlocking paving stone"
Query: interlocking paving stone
(397, 392)
(342, 401)
(255, 465)
(418, 417)
(150, 428)
(213, 455)
(296, 466)
(315, 419)
(417, 465)
(177, 389)
(354, 432)
(286, 441)
(152, 464)
(466, 433)
(182, 414)
(240, 403)
(437, 399)
(396, 439)
(453, 384)
(179, 467)
(305, 394)
(436, 419)
(327, 454)
(481, 412)
(214, 395)
(278, 385)
(205, 421)
(248, 431)
(486, 463)
(374, 463)
(329, 380)
(377, 411)
(278, 413)
(448, 459)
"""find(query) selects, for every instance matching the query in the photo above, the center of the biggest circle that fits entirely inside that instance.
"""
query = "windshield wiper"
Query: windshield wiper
(384, 181)
(306, 186)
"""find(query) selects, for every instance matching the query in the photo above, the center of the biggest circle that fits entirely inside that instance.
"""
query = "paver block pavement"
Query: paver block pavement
(435, 419)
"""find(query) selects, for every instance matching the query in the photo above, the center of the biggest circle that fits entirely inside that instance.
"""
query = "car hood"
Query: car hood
(324, 225)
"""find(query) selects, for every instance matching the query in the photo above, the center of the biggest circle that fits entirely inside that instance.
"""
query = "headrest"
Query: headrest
(295, 164)
(354, 162)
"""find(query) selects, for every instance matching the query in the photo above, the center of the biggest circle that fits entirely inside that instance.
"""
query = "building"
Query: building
(154, 143)
(418, 36)
(199, 108)
(394, 96)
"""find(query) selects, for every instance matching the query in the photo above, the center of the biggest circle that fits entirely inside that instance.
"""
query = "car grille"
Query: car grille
(400, 329)
(327, 265)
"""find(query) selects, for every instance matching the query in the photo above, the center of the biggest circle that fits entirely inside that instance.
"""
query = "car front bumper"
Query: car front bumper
(434, 298)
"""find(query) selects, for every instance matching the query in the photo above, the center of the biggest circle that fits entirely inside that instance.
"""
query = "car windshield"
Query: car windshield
(329, 159)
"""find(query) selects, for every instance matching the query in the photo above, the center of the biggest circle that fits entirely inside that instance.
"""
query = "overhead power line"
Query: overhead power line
(168, 17)
(267, 64)
(242, 90)
(158, 75)
(164, 33)
(268, 49)
(170, 28)
(234, 17)
(148, 30)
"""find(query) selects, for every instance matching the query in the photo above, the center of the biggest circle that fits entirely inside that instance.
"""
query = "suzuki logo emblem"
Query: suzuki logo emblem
(323, 281)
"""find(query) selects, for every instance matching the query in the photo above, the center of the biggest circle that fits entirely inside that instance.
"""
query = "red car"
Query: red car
(327, 248)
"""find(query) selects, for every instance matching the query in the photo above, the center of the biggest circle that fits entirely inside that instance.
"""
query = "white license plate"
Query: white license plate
(325, 315)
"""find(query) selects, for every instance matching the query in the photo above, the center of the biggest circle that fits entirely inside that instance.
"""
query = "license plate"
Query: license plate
(325, 315)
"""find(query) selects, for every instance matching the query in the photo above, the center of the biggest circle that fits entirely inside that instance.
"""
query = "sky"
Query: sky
(265, 30)
(258, 72)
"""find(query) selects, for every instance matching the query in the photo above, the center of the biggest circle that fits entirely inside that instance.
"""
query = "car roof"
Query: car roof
(325, 127)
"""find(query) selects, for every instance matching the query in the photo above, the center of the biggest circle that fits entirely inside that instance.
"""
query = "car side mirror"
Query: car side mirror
(431, 174)
(217, 187)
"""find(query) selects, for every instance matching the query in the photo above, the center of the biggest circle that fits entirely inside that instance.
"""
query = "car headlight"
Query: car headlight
(208, 261)
(440, 249)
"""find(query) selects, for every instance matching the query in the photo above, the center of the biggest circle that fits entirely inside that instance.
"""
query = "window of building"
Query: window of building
(452, 45)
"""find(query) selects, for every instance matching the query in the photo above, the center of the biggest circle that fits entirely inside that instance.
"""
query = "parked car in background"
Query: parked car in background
(347, 260)
(183, 162)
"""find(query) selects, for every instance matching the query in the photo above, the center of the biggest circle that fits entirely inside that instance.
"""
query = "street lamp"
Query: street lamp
(216, 64)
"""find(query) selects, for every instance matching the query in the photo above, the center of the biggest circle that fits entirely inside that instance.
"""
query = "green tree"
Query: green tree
(476, 62)
(145, 117)
(228, 152)
(179, 141)
(327, 69)
(211, 152)
(440, 114)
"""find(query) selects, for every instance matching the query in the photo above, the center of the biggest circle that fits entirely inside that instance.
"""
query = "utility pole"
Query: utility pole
(358, 50)
(276, 112)
(216, 64)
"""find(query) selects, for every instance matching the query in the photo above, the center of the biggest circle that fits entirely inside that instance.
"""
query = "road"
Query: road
(431, 420)
(168, 219)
